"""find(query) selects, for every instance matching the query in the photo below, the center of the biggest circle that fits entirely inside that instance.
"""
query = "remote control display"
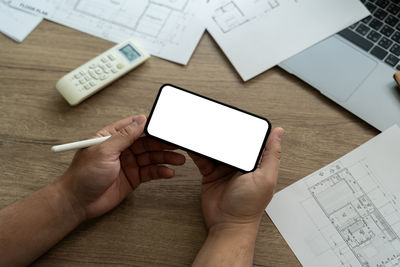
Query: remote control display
(129, 52)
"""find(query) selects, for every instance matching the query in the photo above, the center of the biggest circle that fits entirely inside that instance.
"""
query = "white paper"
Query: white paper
(258, 34)
(15, 23)
(347, 213)
(170, 29)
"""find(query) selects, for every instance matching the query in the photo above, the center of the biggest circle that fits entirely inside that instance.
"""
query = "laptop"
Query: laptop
(355, 67)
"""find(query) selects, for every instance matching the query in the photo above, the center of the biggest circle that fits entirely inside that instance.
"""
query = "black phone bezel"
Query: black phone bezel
(197, 153)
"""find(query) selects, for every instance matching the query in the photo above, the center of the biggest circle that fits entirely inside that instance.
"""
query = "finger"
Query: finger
(205, 166)
(116, 126)
(125, 137)
(130, 168)
(155, 172)
(270, 161)
(145, 144)
(160, 157)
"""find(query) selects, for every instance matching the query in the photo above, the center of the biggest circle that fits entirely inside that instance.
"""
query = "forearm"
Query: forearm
(228, 245)
(31, 226)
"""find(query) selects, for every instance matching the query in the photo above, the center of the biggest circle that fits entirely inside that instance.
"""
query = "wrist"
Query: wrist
(229, 244)
(246, 230)
(70, 202)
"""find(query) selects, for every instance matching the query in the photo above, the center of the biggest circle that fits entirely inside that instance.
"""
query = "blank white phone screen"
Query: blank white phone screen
(209, 128)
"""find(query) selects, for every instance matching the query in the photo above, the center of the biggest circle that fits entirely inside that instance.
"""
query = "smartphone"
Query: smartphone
(207, 127)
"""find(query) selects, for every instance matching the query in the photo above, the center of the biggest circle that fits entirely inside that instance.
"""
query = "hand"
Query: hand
(100, 177)
(230, 198)
(233, 205)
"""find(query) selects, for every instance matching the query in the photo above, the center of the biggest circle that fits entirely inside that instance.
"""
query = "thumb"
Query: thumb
(271, 158)
(125, 137)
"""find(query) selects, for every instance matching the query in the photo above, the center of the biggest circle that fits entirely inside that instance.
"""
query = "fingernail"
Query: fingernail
(139, 120)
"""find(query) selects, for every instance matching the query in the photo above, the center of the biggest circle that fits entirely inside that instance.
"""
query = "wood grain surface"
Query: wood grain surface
(161, 223)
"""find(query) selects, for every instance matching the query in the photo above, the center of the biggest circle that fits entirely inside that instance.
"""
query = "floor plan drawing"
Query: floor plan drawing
(147, 17)
(232, 14)
(362, 217)
(346, 214)
(169, 29)
(229, 16)
(256, 35)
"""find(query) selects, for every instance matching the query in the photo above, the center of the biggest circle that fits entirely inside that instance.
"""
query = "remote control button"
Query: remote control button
(111, 57)
(82, 72)
(114, 70)
(92, 83)
(104, 60)
(120, 65)
(98, 71)
(106, 71)
(87, 78)
(92, 66)
(81, 81)
(77, 76)
(103, 77)
(109, 65)
(93, 74)
(87, 86)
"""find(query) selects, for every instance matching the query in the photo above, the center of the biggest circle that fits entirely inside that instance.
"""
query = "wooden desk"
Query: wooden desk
(161, 222)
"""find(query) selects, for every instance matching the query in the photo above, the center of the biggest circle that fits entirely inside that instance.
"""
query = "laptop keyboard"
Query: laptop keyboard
(378, 34)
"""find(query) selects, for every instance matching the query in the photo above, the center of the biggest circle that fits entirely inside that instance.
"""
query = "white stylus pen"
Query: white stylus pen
(79, 144)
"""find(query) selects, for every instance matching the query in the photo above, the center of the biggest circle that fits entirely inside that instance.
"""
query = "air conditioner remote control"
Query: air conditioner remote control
(102, 70)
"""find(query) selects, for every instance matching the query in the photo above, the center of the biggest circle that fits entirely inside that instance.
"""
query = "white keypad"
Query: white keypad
(97, 71)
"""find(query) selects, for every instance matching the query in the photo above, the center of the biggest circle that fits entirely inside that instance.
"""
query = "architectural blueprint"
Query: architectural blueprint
(254, 34)
(349, 211)
(258, 34)
(169, 29)
(15, 23)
